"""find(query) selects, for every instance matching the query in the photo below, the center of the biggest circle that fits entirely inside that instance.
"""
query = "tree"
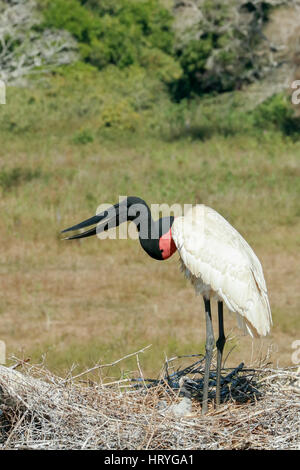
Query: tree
(221, 45)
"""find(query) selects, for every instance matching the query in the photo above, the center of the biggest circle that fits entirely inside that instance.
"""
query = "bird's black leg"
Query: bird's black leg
(209, 347)
(220, 346)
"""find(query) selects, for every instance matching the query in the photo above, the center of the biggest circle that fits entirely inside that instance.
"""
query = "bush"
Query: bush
(115, 33)
(119, 116)
(193, 58)
(71, 16)
(277, 113)
(221, 49)
(164, 67)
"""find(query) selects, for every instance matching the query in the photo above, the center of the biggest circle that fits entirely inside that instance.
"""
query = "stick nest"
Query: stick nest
(260, 409)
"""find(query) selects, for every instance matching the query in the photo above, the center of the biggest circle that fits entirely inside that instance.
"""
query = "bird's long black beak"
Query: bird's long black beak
(111, 217)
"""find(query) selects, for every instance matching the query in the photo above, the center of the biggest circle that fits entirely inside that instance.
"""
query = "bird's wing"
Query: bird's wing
(217, 255)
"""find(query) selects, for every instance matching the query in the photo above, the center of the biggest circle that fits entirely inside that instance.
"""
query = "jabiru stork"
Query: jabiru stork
(214, 257)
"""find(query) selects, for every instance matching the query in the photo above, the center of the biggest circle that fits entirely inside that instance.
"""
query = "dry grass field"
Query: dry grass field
(84, 302)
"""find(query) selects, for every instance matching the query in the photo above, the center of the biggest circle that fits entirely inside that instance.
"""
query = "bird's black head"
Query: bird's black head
(155, 236)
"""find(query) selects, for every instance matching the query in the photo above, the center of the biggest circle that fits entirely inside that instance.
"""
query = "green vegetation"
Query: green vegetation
(277, 113)
(131, 101)
(215, 54)
(121, 33)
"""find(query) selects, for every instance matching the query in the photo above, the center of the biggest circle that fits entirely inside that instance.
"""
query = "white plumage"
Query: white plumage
(221, 265)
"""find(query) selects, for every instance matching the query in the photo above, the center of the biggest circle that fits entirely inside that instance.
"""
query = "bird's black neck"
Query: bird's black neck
(150, 231)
